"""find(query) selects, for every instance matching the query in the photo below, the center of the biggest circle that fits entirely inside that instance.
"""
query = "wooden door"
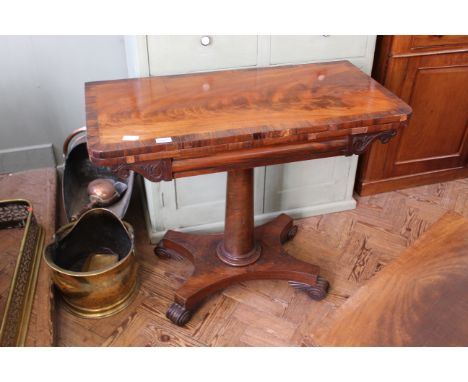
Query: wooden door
(313, 186)
(436, 137)
(434, 146)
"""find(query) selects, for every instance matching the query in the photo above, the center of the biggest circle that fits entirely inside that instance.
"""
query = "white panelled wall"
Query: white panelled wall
(300, 189)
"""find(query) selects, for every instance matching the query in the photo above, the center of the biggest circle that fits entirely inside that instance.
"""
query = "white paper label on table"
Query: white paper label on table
(130, 138)
(164, 140)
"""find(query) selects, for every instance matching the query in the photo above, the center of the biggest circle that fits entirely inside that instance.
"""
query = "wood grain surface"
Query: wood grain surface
(407, 45)
(238, 247)
(40, 188)
(420, 299)
(350, 247)
(430, 73)
(221, 111)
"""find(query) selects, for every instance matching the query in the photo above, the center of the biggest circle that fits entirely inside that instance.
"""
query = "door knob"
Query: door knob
(205, 40)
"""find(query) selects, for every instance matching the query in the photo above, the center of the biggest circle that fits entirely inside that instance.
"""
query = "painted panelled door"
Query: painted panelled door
(300, 189)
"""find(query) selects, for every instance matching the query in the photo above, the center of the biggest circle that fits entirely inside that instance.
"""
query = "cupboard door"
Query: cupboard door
(436, 87)
(195, 200)
(311, 183)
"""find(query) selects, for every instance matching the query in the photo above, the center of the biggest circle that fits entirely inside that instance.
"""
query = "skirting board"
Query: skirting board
(299, 213)
(26, 158)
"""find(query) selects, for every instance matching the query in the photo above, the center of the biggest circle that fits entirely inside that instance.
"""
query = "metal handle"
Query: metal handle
(205, 40)
(130, 230)
(69, 138)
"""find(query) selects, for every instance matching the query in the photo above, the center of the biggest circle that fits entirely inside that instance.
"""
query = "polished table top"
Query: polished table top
(193, 115)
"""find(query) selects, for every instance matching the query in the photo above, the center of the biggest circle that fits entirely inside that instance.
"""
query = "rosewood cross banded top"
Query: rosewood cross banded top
(306, 109)
(174, 126)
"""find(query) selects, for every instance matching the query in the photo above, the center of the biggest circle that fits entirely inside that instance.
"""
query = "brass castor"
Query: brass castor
(161, 252)
(290, 234)
(178, 314)
(316, 292)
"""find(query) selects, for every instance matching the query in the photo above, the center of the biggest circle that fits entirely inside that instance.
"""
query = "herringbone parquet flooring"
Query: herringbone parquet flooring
(350, 247)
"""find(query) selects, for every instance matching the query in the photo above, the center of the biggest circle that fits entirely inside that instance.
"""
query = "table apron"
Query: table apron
(168, 169)
(261, 156)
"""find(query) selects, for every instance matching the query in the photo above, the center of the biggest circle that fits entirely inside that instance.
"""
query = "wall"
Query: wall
(42, 85)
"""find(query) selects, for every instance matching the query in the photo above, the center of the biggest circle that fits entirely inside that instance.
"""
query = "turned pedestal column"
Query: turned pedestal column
(239, 247)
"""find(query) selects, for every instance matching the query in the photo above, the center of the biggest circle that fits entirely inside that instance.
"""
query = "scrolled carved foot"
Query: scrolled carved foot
(315, 292)
(161, 252)
(290, 234)
(178, 314)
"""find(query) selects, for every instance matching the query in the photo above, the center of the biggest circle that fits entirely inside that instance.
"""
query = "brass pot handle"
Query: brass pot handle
(130, 230)
(62, 231)
(69, 138)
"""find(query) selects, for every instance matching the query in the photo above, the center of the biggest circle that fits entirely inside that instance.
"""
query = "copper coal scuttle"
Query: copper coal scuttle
(92, 258)
(86, 186)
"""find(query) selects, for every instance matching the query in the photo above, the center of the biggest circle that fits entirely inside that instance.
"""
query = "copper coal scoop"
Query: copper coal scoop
(93, 263)
(86, 186)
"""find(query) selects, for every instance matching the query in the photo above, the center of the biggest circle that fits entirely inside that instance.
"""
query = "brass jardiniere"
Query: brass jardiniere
(101, 292)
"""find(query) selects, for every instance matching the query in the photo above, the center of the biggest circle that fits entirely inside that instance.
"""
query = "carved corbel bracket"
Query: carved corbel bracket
(154, 171)
(360, 142)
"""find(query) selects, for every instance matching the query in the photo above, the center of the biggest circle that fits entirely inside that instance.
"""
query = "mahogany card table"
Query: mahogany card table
(175, 126)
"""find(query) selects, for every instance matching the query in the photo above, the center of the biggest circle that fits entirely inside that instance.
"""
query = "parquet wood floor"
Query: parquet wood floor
(350, 247)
